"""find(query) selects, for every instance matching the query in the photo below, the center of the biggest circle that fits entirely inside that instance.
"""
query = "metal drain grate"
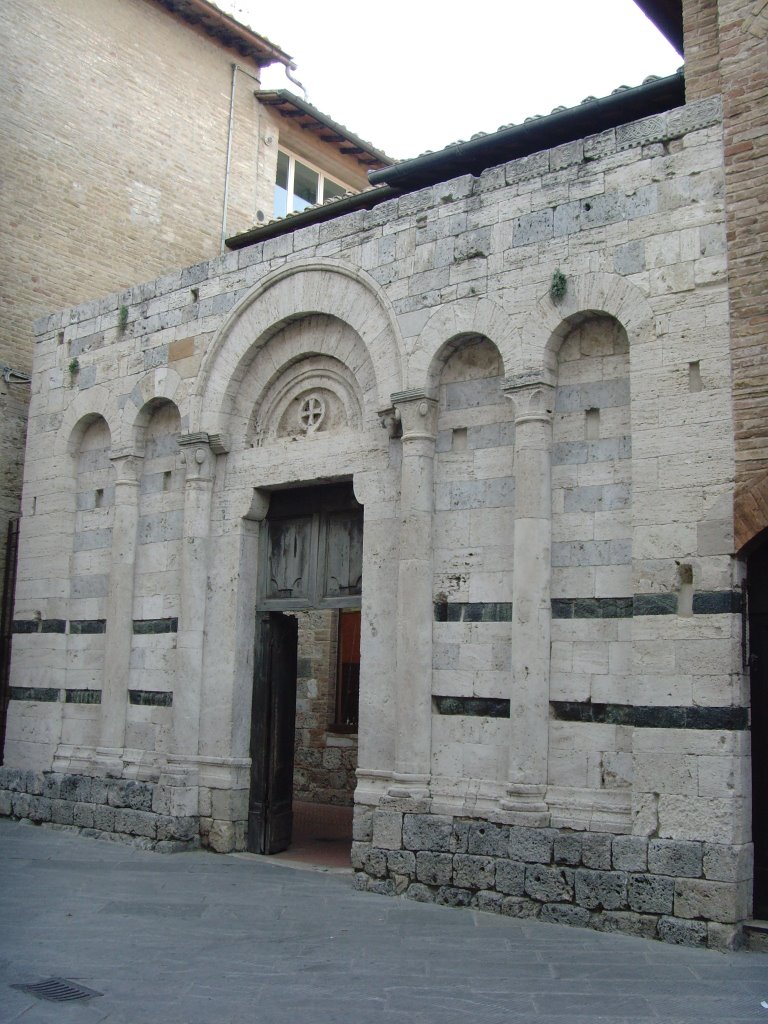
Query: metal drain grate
(58, 990)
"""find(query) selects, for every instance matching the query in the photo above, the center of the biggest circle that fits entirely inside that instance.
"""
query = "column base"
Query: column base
(525, 805)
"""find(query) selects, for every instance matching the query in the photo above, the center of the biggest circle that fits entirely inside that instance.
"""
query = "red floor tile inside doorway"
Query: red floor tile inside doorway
(322, 835)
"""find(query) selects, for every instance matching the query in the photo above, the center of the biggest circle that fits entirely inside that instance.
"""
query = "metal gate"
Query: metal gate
(6, 624)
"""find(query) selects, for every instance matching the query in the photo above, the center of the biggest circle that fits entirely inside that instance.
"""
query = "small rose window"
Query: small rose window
(311, 413)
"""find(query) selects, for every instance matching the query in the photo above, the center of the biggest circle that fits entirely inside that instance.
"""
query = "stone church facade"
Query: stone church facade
(494, 415)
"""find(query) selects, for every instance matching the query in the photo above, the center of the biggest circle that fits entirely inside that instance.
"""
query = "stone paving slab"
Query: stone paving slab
(240, 939)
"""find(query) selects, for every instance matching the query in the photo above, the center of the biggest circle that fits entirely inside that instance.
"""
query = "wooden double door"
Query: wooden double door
(312, 545)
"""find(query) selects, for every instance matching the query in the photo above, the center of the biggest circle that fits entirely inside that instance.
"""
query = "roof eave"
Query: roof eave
(537, 134)
(228, 31)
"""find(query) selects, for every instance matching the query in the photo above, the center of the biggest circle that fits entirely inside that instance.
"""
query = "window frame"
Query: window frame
(321, 176)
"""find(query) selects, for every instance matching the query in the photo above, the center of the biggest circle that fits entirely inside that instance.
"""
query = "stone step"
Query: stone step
(756, 936)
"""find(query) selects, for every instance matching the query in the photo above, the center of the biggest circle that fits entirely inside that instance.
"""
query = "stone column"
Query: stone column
(533, 399)
(418, 417)
(119, 635)
(198, 491)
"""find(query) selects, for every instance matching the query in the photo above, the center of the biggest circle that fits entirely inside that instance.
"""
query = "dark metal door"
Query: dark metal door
(6, 624)
(757, 582)
(272, 735)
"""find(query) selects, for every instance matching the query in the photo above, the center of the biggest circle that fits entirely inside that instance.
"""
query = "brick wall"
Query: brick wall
(726, 51)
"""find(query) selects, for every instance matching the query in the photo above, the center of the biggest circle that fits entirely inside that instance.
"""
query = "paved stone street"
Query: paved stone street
(198, 937)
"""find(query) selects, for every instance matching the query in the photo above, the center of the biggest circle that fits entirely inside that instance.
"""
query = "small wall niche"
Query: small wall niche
(685, 589)
(459, 441)
(592, 424)
(694, 377)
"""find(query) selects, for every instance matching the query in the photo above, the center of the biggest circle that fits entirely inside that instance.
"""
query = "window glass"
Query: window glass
(305, 186)
(281, 185)
(331, 189)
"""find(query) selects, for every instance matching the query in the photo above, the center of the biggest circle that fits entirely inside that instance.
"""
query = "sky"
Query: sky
(416, 75)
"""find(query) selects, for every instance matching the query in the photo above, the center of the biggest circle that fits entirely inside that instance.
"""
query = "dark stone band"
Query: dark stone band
(87, 626)
(82, 697)
(473, 707)
(151, 698)
(38, 693)
(143, 626)
(473, 611)
(646, 717)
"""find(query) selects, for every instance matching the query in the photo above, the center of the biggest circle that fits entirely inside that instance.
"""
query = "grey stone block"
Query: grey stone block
(33, 782)
(135, 823)
(675, 857)
(567, 849)
(533, 227)
(100, 791)
(473, 872)
(387, 829)
(20, 804)
(360, 881)
(434, 868)
(82, 815)
(601, 890)
(450, 896)
(62, 812)
(362, 824)
(629, 258)
(104, 818)
(420, 893)
(6, 802)
(532, 845)
(728, 863)
(13, 779)
(682, 933)
(127, 793)
(629, 853)
(548, 884)
(382, 886)
(510, 877)
(642, 925)
(563, 913)
(434, 832)
(653, 894)
(358, 853)
(177, 827)
(401, 862)
(40, 809)
(76, 788)
(489, 840)
(488, 901)
(596, 851)
(375, 863)
(52, 785)
(515, 906)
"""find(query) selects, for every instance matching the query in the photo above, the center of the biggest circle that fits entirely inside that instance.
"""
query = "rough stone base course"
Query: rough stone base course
(106, 808)
(656, 888)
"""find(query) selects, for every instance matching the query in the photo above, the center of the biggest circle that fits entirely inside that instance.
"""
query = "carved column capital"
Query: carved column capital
(417, 413)
(533, 397)
(127, 466)
(198, 455)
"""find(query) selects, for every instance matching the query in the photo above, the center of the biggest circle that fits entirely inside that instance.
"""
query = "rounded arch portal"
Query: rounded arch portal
(295, 291)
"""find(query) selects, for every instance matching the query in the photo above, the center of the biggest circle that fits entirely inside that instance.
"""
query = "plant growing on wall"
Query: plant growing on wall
(558, 286)
(74, 368)
(122, 318)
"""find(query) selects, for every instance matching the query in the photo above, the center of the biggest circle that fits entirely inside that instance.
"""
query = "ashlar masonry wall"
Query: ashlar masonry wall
(553, 713)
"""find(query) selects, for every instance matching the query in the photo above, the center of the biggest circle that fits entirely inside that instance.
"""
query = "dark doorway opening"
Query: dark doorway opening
(306, 676)
(757, 603)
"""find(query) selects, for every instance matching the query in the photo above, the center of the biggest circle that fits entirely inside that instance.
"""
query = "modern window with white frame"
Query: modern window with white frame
(297, 185)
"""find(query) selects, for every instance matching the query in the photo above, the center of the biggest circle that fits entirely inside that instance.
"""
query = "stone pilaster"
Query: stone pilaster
(200, 460)
(533, 399)
(418, 417)
(119, 635)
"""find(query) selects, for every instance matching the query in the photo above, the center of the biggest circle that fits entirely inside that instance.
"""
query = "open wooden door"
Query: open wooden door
(757, 590)
(272, 735)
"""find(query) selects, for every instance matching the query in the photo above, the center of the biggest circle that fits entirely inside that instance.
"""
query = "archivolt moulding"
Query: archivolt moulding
(294, 291)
